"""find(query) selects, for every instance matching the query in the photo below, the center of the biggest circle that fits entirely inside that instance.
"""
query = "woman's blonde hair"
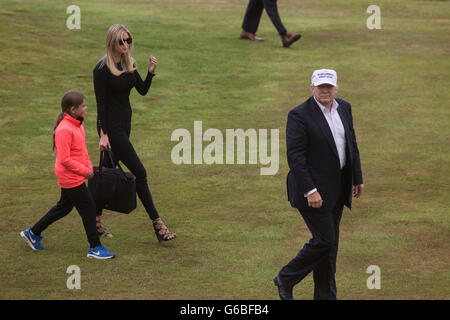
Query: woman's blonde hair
(114, 34)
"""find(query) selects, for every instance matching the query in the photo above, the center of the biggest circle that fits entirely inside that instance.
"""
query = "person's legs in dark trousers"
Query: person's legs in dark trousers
(85, 205)
(321, 223)
(124, 151)
(60, 210)
(80, 198)
(323, 285)
(272, 11)
(324, 273)
(253, 16)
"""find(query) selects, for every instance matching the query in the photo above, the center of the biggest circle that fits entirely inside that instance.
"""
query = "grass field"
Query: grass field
(235, 227)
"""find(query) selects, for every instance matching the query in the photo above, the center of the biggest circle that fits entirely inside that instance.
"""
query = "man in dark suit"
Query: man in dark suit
(253, 15)
(324, 163)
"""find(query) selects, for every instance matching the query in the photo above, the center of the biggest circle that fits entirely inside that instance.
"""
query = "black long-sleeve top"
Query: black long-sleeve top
(113, 96)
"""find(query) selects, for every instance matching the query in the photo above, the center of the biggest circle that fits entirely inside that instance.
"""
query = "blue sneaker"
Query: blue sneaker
(33, 241)
(100, 252)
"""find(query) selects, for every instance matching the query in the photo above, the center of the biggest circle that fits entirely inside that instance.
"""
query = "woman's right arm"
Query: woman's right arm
(100, 96)
(104, 141)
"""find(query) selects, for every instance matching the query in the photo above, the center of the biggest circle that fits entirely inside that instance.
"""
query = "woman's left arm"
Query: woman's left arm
(143, 86)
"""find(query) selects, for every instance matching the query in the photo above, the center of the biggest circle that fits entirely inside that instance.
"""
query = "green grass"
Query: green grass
(235, 228)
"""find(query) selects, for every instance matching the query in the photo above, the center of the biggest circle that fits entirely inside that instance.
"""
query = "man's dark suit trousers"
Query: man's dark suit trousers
(254, 12)
(319, 254)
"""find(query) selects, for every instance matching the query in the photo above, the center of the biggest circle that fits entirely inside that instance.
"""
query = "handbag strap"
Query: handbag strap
(111, 158)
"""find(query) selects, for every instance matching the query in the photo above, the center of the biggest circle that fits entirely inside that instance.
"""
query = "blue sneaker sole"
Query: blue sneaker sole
(89, 255)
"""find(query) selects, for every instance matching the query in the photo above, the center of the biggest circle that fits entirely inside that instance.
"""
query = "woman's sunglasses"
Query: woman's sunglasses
(129, 41)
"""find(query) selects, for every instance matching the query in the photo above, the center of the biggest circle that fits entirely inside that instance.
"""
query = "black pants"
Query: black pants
(319, 254)
(253, 15)
(124, 151)
(80, 198)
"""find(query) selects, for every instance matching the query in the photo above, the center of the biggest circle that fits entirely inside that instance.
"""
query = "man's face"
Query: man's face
(324, 93)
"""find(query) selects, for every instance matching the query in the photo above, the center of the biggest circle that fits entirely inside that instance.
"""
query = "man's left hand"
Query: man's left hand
(358, 190)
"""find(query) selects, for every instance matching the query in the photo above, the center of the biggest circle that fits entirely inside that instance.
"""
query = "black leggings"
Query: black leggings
(124, 151)
(80, 198)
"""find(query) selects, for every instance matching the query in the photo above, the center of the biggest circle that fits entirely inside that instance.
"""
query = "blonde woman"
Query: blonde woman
(114, 77)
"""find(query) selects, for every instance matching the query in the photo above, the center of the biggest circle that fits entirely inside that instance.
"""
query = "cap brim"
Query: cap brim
(318, 83)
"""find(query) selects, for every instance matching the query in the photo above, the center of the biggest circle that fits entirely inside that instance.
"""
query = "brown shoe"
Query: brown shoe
(250, 36)
(289, 39)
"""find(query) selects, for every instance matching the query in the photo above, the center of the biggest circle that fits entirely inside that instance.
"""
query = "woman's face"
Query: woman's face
(122, 46)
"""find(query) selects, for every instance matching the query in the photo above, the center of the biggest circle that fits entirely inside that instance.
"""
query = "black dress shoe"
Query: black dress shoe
(284, 292)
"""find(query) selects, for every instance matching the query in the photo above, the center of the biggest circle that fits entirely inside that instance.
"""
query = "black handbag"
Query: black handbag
(112, 188)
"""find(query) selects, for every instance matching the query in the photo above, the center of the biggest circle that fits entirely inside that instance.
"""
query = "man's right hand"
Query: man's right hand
(315, 200)
(104, 143)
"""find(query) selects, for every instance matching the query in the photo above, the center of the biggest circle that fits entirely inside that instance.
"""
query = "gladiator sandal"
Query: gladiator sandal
(101, 230)
(161, 231)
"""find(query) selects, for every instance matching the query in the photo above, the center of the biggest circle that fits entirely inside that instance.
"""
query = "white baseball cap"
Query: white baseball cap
(324, 76)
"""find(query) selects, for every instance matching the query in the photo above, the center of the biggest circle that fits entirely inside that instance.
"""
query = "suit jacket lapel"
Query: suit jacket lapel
(323, 124)
(345, 123)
